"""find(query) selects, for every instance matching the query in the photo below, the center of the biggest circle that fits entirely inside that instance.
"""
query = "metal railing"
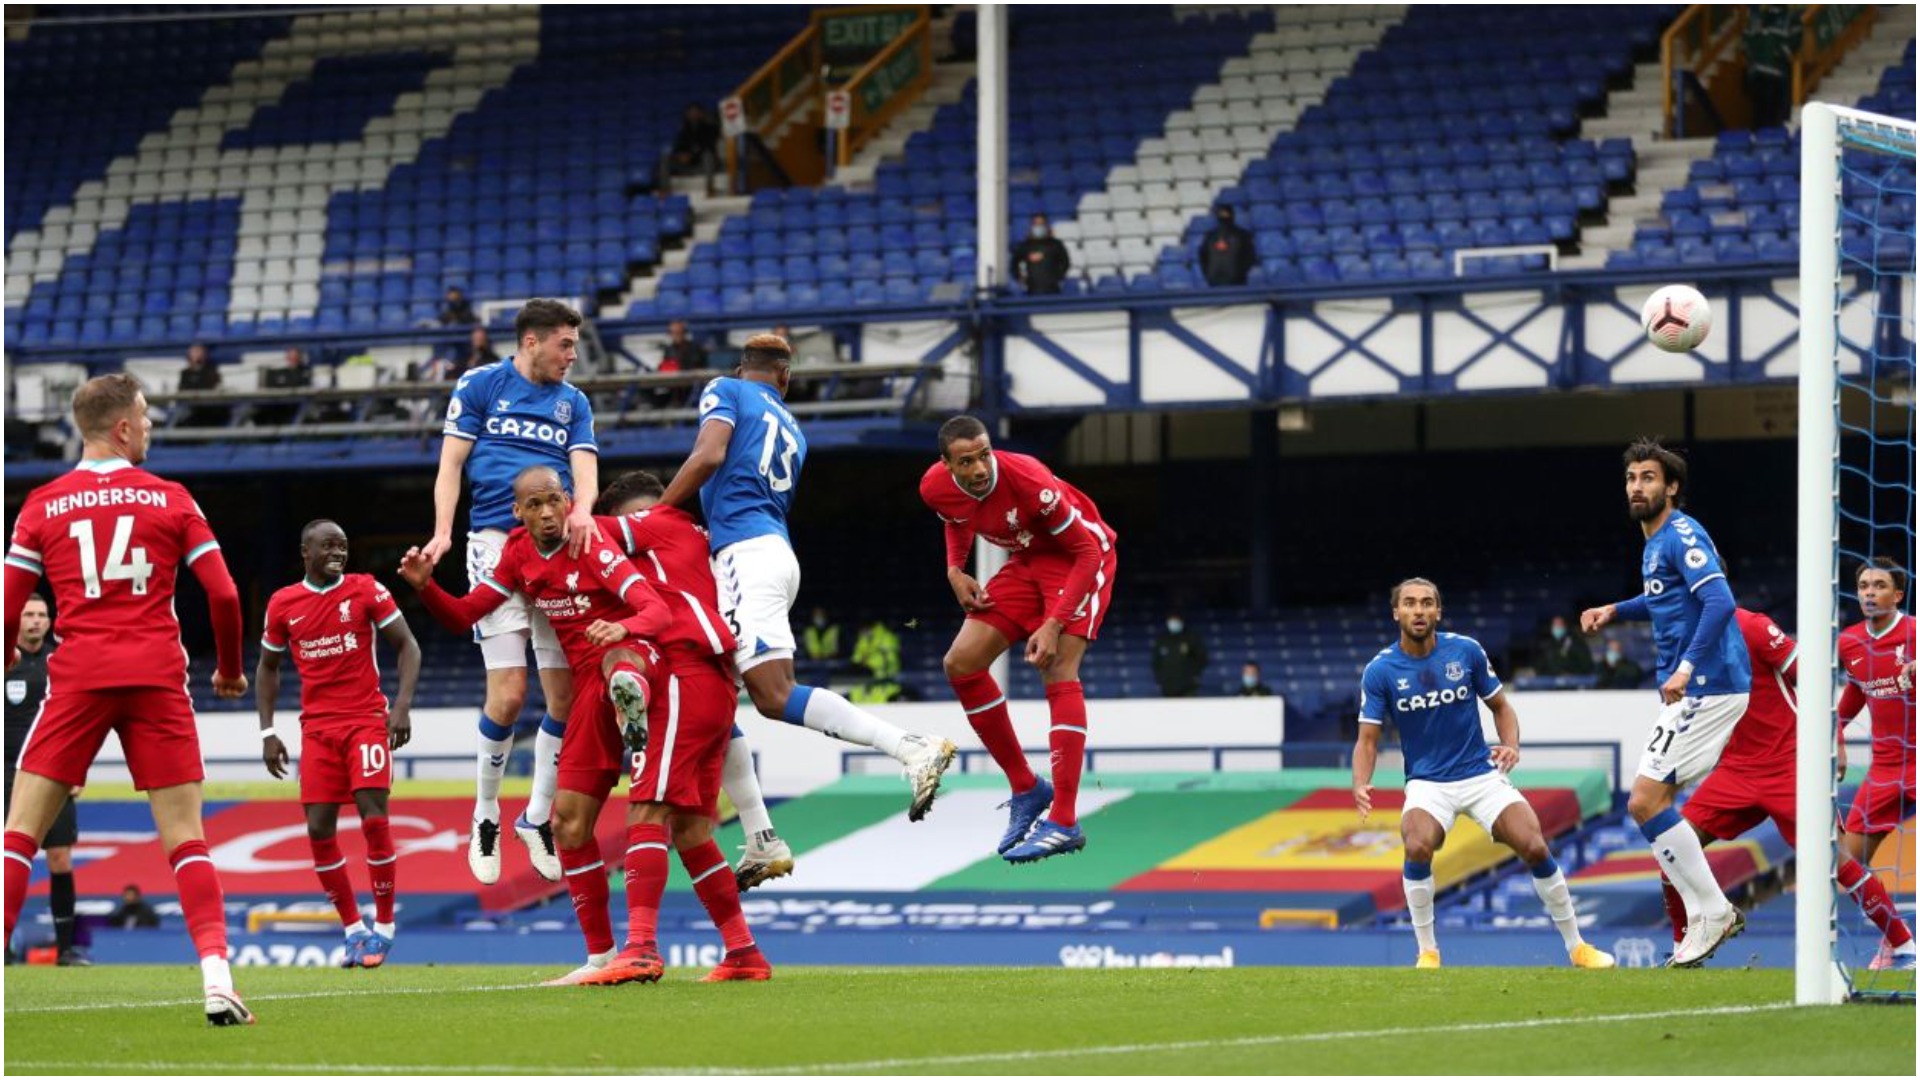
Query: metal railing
(1827, 33)
(893, 80)
(1703, 35)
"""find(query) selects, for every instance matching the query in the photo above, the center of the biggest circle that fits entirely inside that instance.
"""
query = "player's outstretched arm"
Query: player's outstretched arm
(709, 452)
(1506, 724)
(266, 692)
(584, 465)
(454, 452)
(223, 605)
(400, 718)
(1366, 751)
(457, 614)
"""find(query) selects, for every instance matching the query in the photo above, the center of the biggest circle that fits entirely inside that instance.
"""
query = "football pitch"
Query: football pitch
(406, 1020)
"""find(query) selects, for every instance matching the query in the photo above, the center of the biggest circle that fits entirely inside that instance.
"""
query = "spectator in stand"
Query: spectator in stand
(1771, 36)
(294, 374)
(680, 353)
(1562, 652)
(1226, 252)
(1178, 659)
(479, 350)
(1617, 671)
(201, 373)
(878, 650)
(1040, 261)
(696, 149)
(1251, 685)
(134, 913)
(458, 310)
(821, 638)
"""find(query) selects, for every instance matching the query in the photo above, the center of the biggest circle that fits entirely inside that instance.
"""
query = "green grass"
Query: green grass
(952, 1020)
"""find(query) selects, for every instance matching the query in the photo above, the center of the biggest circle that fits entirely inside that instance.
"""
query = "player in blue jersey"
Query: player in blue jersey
(1430, 685)
(745, 466)
(503, 418)
(1704, 678)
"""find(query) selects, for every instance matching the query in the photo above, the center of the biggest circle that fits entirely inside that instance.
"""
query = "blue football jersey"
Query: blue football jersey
(513, 423)
(1434, 701)
(753, 490)
(1676, 562)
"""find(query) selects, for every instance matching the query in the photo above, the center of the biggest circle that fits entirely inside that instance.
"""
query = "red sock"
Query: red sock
(713, 883)
(986, 709)
(1067, 739)
(382, 864)
(587, 884)
(646, 882)
(1676, 908)
(1871, 895)
(200, 898)
(331, 867)
(20, 851)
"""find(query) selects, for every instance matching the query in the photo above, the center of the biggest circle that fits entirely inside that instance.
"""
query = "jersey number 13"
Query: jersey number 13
(780, 438)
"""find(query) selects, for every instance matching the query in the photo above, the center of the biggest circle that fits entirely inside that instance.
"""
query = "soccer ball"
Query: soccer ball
(1676, 318)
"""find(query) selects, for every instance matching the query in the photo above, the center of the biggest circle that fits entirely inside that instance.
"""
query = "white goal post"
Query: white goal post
(1825, 131)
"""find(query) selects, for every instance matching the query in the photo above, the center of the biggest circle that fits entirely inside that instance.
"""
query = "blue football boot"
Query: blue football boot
(1022, 811)
(1045, 841)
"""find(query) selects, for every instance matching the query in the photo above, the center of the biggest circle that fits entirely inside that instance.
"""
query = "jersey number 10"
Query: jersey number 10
(123, 563)
(778, 434)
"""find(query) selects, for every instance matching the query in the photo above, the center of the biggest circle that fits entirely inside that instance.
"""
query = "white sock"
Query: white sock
(602, 959)
(384, 929)
(214, 973)
(743, 787)
(1553, 893)
(546, 777)
(1420, 911)
(492, 767)
(1687, 867)
(835, 716)
(359, 926)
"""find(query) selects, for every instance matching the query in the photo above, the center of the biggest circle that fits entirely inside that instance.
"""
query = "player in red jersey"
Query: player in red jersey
(110, 538)
(677, 548)
(347, 735)
(1877, 653)
(674, 788)
(1054, 592)
(1755, 779)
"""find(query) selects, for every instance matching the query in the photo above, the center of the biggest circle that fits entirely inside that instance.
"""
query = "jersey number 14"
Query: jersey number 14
(780, 438)
(123, 563)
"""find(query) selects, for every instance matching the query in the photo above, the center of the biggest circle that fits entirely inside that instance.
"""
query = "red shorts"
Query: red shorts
(687, 732)
(155, 725)
(1025, 590)
(335, 763)
(1729, 802)
(592, 754)
(1883, 803)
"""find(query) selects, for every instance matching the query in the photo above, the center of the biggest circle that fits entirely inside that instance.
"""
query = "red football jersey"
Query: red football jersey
(1763, 741)
(1028, 511)
(332, 633)
(667, 541)
(109, 538)
(1873, 664)
(573, 593)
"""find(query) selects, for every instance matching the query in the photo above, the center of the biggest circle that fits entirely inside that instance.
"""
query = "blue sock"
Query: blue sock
(796, 710)
(1659, 823)
(1546, 869)
(492, 731)
(553, 727)
(1416, 871)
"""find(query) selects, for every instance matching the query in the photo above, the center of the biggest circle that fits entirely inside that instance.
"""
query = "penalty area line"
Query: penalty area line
(880, 1064)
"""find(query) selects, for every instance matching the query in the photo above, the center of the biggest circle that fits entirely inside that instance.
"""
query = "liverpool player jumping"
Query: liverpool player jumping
(110, 538)
(1755, 780)
(1877, 653)
(676, 547)
(347, 735)
(1054, 592)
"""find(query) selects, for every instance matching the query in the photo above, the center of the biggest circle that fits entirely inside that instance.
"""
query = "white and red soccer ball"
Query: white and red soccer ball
(1676, 318)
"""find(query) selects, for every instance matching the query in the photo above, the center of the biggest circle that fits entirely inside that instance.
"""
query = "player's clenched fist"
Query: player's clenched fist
(968, 591)
(229, 688)
(416, 567)
(1594, 618)
(603, 632)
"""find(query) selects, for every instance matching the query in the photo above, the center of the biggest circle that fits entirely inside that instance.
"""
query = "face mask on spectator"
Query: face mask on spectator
(1613, 656)
(1174, 626)
(1249, 680)
(1040, 230)
(1559, 632)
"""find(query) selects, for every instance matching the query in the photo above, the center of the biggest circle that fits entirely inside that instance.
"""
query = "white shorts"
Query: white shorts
(1483, 798)
(503, 635)
(759, 581)
(1687, 738)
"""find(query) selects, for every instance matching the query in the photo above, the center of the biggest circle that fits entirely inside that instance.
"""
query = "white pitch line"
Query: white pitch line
(878, 1064)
